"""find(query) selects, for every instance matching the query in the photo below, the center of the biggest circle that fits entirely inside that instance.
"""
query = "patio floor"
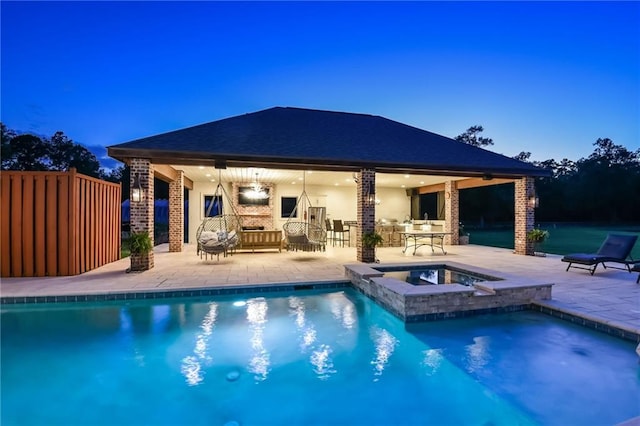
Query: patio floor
(610, 297)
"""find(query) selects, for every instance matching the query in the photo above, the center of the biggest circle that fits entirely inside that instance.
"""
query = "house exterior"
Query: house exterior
(329, 151)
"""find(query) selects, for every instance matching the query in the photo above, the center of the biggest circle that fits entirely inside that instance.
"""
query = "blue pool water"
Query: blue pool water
(305, 358)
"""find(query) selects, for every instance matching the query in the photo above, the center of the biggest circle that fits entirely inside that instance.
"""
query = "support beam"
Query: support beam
(451, 212)
(366, 214)
(524, 215)
(479, 182)
(176, 213)
(141, 212)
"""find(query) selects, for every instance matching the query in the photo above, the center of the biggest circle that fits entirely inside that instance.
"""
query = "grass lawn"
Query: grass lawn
(563, 239)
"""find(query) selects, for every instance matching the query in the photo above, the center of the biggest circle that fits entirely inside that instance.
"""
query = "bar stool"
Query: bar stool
(330, 233)
(340, 233)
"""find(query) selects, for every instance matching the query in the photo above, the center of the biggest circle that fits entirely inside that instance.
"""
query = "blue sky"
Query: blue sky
(546, 77)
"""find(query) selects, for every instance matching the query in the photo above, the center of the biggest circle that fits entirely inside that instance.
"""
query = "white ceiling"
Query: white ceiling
(295, 177)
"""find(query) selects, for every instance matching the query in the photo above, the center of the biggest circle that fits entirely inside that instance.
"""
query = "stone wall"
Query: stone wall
(418, 303)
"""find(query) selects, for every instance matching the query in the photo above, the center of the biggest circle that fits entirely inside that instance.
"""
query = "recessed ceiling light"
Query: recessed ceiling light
(208, 175)
(299, 178)
(213, 180)
(421, 182)
(336, 184)
(406, 176)
(201, 167)
(403, 186)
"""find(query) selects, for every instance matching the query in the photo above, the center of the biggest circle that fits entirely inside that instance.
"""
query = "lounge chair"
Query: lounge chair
(636, 268)
(615, 249)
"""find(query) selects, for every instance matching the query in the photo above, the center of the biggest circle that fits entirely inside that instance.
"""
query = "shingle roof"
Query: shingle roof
(305, 136)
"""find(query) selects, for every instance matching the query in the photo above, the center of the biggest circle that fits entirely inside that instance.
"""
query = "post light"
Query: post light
(137, 193)
(370, 195)
(534, 201)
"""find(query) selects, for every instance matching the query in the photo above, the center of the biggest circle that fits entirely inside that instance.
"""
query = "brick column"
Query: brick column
(142, 212)
(366, 215)
(176, 213)
(451, 212)
(525, 217)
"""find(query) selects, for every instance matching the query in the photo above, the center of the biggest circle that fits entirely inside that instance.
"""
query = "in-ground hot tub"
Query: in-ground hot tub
(482, 290)
(436, 275)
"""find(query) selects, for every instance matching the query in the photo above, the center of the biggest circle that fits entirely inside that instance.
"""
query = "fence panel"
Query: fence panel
(57, 223)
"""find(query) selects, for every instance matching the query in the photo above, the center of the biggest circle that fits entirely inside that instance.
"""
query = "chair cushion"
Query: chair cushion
(584, 258)
(208, 237)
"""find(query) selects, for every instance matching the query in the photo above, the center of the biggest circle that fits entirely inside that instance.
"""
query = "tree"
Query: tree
(472, 137)
(523, 156)
(24, 152)
(64, 154)
(35, 153)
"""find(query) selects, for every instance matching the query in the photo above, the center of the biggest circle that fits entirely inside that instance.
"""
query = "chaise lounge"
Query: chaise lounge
(615, 249)
(636, 268)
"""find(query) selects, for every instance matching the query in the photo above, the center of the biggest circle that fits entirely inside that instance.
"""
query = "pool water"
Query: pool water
(305, 358)
(437, 275)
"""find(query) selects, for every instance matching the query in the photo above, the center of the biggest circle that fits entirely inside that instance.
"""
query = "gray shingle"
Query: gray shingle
(296, 134)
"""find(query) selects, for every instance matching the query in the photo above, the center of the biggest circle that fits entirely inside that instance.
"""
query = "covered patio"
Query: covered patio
(359, 167)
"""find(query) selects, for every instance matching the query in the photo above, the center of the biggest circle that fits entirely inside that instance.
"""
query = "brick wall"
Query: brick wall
(176, 213)
(451, 212)
(366, 215)
(141, 213)
(255, 215)
(524, 215)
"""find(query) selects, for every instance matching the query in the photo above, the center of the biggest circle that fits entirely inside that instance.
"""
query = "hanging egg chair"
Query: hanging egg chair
(305, 235)
(219, 231)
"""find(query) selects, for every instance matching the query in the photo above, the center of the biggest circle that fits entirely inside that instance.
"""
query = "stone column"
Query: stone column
(176, 213)
(366, 215)
(142, 212)
(451, 212)
(525, 217)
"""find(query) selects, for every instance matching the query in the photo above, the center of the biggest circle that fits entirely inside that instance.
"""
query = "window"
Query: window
(212, 205)
(288, 207)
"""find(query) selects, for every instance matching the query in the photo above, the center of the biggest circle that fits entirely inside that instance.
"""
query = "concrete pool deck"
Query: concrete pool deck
(610, 297)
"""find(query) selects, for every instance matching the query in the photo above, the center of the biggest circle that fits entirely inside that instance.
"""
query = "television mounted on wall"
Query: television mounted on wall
(247, 196)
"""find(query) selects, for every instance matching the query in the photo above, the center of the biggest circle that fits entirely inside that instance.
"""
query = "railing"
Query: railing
(57, 223)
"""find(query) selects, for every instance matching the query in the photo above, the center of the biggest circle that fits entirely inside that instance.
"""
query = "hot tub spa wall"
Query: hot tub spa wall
(415, 303)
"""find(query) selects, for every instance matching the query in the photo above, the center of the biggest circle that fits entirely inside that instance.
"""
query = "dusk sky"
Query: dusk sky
(545, 77)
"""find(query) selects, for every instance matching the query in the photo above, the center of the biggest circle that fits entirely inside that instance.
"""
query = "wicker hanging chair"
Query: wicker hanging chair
(219, 234)
(303, 235)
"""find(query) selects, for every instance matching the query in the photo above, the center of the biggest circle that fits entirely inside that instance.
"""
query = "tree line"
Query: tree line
(603, 187)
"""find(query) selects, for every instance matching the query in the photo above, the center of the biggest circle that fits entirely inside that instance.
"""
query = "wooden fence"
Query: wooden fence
(57, 223)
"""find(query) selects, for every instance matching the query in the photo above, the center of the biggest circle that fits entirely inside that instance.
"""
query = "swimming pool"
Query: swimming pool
(305, 358)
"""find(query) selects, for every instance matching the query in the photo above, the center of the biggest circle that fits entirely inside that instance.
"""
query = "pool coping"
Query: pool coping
(148, 294)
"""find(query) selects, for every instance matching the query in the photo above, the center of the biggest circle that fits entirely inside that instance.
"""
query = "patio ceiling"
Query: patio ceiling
(295, 177)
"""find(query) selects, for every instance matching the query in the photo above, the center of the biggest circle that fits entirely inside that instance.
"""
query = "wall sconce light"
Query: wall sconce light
(137, 193)
(534, 201)
(370, 194)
